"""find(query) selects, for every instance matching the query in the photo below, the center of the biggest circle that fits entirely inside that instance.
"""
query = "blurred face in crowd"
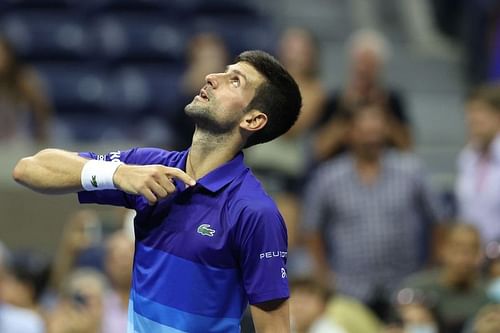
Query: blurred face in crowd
(365, 67)
(298, 52)
(222, 102)
(306, 306)
(462, 252)
(86, 291)
(368, 131)
(488, 320)
(17, 292)
(483, 123)
(119, 260)
(417, 318)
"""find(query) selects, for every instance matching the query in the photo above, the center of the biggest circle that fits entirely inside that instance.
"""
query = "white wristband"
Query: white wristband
(98, 175)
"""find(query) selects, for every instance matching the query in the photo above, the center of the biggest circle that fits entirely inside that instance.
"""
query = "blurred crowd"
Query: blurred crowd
(373, 246)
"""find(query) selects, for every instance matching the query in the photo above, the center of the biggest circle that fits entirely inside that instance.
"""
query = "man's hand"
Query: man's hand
(154, 182)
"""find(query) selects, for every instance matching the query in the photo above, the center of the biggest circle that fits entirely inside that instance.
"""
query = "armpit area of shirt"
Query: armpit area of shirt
(257, 298)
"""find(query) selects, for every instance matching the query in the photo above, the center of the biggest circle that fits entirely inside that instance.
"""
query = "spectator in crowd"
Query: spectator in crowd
(455, 287)
(479, 163)
(26, 279)
(14, 319)
(118, 266)
(368, 213)
(80, 308)
(80, 245)
(368, 53)
(352, 315)
(309, 301)
(481, 35)
(206, 53)
(488, 319)
(281, 164)
(80, 237)
(25, 112)
(413, 316)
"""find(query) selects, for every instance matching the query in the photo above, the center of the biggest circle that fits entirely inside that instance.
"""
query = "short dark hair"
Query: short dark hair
(312, 286)
(278, 97)
(487, 93)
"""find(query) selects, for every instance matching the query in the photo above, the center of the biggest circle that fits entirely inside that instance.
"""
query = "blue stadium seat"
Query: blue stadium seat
(145, 89)
(47, 35)
(26, 4)
(128, 36)
(240, 32)
(229, 7)
(74, 87)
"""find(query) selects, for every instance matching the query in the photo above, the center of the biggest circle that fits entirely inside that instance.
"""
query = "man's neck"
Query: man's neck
(209, 151)
(450, 279)
(368, 167)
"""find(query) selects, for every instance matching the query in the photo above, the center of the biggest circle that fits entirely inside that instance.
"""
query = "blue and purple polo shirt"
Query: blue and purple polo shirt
(203, 253)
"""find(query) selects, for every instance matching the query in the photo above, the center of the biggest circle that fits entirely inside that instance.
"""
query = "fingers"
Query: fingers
(149, 195)
(158, 188)
(181, 175)
(166, 183)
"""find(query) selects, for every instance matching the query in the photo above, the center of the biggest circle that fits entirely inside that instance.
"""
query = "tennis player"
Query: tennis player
(209, 240)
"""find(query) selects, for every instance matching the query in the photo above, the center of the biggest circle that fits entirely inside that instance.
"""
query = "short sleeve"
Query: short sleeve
(137, 156)
(262, 244)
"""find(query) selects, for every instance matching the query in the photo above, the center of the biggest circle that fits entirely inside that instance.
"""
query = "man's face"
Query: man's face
(462, 253)
(369, 130)
(483, 123)
(365, 66)
(219, 106)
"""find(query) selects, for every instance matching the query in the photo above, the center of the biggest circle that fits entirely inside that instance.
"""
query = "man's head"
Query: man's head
(255, 98)
(368, 52)
(461, 252)
(308, 301)
(483, 115)
(368, 130)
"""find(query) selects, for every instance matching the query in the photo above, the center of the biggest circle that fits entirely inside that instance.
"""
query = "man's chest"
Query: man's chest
(196, 228)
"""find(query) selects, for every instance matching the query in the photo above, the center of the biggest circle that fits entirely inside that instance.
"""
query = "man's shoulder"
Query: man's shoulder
(335, 168)
(405, 162)
(251, 199)
(423, 280)
(151, 155)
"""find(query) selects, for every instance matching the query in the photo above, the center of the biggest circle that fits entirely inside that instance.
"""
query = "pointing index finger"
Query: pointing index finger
(181, 175)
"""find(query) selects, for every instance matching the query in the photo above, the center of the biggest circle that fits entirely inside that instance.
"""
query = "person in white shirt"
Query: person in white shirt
(478, 181)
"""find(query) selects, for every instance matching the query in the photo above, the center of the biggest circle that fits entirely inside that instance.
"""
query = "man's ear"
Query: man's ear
(253, 121)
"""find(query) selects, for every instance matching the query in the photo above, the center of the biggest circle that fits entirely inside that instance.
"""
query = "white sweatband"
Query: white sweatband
(98, 175)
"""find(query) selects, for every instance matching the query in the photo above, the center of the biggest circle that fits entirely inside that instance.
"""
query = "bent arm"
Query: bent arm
(50, 171)
(271, 317)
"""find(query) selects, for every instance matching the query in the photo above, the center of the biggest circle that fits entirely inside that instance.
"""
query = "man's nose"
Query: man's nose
(211, 79)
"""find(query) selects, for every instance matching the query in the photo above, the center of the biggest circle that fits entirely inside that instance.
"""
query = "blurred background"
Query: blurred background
(388, 182)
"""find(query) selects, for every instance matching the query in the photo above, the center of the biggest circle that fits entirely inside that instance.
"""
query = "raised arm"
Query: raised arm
(51, 171)
(55, 171)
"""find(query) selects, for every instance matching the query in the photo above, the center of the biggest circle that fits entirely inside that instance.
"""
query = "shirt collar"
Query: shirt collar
(223, 175)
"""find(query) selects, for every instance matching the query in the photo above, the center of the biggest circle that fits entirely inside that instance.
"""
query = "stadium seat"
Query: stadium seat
(240, 32)
(130, 36)
(53, 35)
(74, 87)
(143, 89)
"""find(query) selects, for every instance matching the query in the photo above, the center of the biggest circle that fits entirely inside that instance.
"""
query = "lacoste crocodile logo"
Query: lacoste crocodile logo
(205, 230)
(93, 181)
